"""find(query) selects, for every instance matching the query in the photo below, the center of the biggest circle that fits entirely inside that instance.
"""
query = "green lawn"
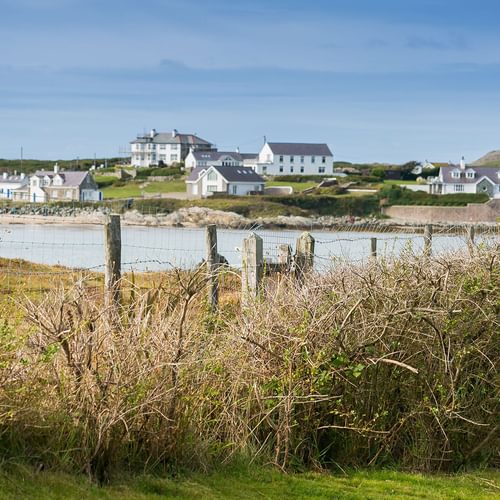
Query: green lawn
(134, 189)
(297, 186)
(21, 482)
(397, 183)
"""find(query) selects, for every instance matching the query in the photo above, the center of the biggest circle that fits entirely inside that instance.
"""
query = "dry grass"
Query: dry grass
(386, 363)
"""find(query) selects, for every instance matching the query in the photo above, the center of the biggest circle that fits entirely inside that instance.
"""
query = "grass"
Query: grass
(135, 189)
(257, 482)
(297, 186)
(397, 183)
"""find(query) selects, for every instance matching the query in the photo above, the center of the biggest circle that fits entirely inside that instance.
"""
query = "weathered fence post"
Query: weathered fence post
(284, 257)
(212, 266)
(428, 240)
(304, 255)
(373, 248)
(471, 235)
(113, 259)
(252, 264)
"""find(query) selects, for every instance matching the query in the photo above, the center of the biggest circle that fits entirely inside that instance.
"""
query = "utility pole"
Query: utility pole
(21, 158)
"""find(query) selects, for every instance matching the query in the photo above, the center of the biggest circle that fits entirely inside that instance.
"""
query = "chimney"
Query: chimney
(152, 133)
(174, 132)
(56, 168)
(23, 175)
(5, 175)
(238, 150)
(462, 163)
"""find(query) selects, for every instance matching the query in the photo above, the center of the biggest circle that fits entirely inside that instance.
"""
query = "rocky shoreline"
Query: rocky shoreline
(197, 217)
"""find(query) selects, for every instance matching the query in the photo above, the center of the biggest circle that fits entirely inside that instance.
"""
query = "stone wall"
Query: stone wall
(473, 213)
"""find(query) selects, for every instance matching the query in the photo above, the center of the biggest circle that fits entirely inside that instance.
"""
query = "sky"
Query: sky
(379, 81)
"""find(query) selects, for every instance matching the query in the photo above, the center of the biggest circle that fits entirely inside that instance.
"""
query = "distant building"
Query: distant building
(238, 181)
(9, 184)
(59, 185)
(461, 178)
(288, 158)
(158, 148)
(196, 159)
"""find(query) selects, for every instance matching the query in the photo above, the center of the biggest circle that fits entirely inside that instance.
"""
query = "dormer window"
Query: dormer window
(470, 174)
(455, 174)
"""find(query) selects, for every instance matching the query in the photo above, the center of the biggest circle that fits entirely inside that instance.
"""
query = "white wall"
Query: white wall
(270, 164)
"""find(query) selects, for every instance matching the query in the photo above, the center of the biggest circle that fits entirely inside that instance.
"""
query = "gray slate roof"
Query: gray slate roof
(299, 148)
(168, 138)
(70, 179)
(490, 172)
(231, 174)
(216, 155)
(13, 179)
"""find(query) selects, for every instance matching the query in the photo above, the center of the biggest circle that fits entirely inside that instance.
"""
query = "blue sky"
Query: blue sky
(384, 80)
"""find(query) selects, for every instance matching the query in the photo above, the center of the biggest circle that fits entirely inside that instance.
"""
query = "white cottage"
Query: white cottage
(238, 181)
(453, 179)
(290, 158)
(11, 184)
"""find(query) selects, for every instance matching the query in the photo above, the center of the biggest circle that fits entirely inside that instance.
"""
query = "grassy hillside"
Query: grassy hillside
(491, 159)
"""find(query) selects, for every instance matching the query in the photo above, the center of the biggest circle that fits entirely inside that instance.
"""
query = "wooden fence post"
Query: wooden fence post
(428, 240)
(212, 266)
(471, 235)
(284, 257)
(113, 259)
(304, 255)
(373, 248)
(252, 264)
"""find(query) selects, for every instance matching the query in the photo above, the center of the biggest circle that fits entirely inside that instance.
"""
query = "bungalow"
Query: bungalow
(289, 158)
(454, 179)
(62, 186)
(9, 184)
(238, 181)
(196, 159)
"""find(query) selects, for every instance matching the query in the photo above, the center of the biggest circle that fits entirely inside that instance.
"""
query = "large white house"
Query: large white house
(238, 181)
(289, 158)
(158, 148)
(9, 184)
(461, 178)
(196, 159)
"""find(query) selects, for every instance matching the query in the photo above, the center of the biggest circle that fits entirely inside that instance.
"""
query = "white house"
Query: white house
(461, 178)
(288, 158)
(158, 148)
(196, 159)
(59, 185)
(238, 181)
(9, 184)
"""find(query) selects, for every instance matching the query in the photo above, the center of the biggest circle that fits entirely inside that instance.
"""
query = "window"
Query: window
(235, 189)
(455, 174)
(163, 146)
(69, 194)
(291, 159)
(55, 194)
(291, 169)
(257, 188)
(281, 168)
(302, 159)
(313, 159)
(459, 188)
(174, 146)
(302, 169)
(163, 157)
(173, 157)
(281, 158)
(470, 175)
(211, 188)
(323, 159)
(212, 176)
(264, 170)
(321, 170)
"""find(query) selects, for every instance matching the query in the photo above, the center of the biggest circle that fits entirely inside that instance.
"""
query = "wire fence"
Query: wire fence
(34, 255)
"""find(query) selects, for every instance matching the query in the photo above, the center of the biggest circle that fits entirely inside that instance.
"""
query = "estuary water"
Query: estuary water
(161, 248)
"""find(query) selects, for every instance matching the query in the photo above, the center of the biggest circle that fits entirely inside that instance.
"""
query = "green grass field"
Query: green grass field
(297, 186)
(134, 189)
(21, 482)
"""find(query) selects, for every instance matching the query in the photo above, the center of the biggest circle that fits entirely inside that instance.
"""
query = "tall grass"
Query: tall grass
(387, 363)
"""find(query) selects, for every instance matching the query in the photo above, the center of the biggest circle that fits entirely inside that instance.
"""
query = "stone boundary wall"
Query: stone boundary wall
(473, 213)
